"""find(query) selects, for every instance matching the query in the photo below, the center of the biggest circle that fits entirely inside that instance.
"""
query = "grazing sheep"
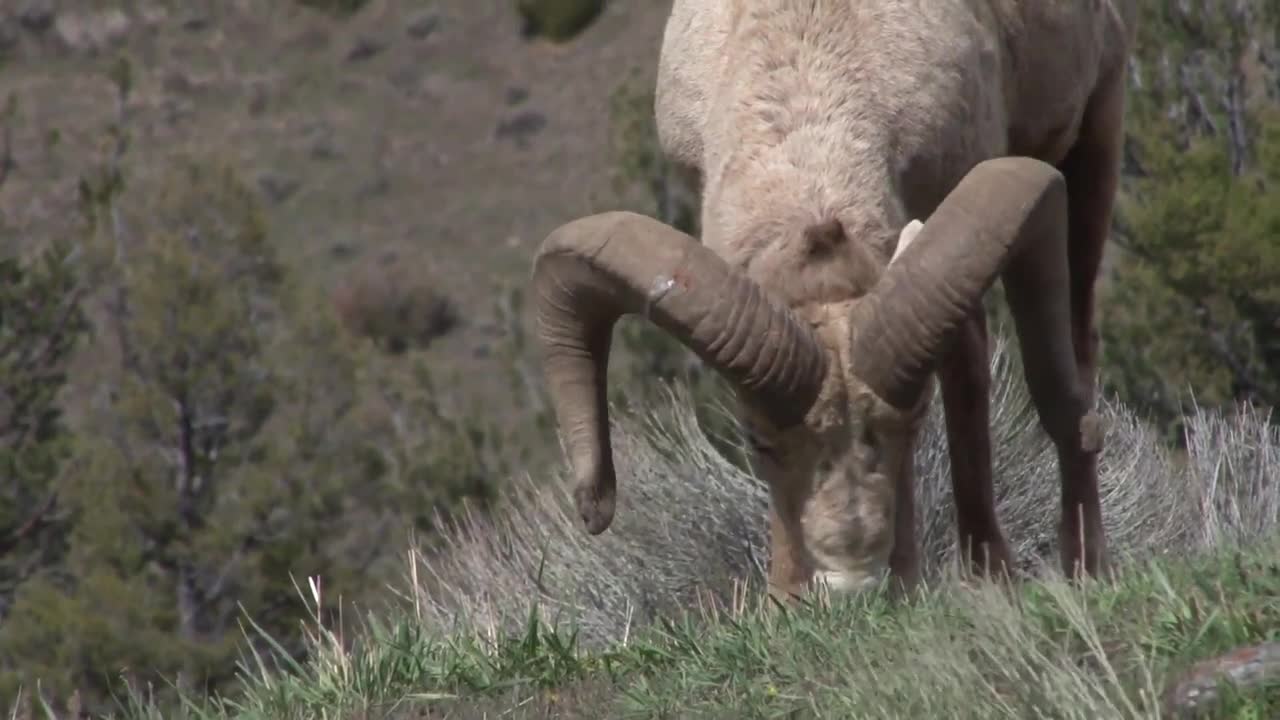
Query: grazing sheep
(819, 129)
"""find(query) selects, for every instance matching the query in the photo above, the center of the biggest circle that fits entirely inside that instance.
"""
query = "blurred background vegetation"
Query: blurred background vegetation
(261, 273)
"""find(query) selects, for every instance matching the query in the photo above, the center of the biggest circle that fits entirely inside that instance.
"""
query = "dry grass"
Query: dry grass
(690, 524)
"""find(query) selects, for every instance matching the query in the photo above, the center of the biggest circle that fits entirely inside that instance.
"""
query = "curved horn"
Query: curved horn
(590, 272)
(1010, 209)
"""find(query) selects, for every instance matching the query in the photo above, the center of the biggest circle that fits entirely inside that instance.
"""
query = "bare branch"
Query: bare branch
(7, 163)
(29, 527)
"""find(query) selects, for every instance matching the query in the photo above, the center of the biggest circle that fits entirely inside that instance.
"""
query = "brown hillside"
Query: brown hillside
(420, 130)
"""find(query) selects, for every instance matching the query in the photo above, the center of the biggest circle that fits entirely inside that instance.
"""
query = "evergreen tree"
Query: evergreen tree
(1194, 296)
(211, 475)
(41, 321)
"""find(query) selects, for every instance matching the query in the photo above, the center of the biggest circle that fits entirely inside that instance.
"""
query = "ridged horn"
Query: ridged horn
(1003, 209)
(592, 271)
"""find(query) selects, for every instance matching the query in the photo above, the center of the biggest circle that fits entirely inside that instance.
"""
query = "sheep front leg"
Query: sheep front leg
(965, 379)
(904, 559)
(1092, 173)
(1038, 299)
(1053, 311)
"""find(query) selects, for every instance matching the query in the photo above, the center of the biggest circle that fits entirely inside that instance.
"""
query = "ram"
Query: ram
(817, 130)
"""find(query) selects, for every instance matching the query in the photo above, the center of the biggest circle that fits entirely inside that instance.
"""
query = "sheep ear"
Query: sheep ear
(908, 234)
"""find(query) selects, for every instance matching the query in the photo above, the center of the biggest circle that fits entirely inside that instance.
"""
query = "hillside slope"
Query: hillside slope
(425, 131)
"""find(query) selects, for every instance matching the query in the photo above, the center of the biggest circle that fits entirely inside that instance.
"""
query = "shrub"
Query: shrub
(691, 525)
(395, 305)
(341, 8)
(557, 20)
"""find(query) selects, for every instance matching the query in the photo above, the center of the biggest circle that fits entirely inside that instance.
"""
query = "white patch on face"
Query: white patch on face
(905, 237)
(847, 583)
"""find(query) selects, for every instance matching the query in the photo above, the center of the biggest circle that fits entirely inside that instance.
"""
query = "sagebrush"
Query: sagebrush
(691, 525)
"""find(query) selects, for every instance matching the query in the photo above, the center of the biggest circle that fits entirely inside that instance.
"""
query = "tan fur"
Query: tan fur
(837, 470)
(797, 113)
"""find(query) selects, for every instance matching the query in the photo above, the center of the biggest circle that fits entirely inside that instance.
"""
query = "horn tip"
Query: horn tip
(1024, 168)
(595, 506)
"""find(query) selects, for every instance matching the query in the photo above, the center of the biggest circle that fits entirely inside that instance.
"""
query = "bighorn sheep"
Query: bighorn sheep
(818, 129)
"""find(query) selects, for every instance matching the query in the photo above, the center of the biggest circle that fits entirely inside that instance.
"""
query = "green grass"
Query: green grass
(1045, 649)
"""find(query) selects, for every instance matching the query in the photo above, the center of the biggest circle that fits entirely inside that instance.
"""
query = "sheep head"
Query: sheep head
(844, 381)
